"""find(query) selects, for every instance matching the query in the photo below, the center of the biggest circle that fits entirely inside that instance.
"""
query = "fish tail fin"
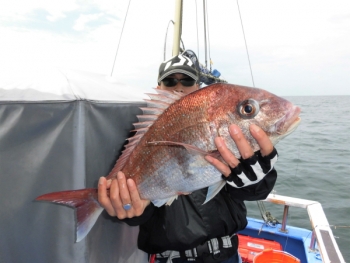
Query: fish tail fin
(84, 201)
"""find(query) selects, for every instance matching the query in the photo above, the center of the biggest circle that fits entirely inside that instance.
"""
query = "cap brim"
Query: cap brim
(174, 71)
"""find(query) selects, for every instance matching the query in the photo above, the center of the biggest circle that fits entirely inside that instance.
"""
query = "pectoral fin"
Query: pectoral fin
(167, 201)
(214, 189)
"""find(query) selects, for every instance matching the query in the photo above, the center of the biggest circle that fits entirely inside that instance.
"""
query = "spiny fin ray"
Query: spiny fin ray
(155, 106)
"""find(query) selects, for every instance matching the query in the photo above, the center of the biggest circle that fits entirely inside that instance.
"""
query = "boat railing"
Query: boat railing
(321, 230)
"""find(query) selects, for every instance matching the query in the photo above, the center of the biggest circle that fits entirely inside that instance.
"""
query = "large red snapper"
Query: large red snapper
(166, 156)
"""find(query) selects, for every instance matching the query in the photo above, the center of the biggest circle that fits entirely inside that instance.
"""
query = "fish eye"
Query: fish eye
(248, 109)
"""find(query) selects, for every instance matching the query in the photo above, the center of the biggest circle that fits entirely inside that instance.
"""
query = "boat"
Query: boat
(52, 129)
(262, 235)
(318, 245)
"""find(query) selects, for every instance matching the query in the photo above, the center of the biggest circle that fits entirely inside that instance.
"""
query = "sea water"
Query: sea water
(314, 164)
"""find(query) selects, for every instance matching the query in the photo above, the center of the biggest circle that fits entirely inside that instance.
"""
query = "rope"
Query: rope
(207, 17)
(266, 215)
(166, 36)
(205, 33)
(115, 58)
(197, 30)
(183, 45)
(246, 47)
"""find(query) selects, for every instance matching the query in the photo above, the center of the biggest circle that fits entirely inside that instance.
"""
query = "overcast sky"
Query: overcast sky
(299, 47)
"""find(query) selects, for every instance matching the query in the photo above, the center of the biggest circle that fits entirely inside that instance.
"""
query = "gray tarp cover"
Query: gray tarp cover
(61, 132)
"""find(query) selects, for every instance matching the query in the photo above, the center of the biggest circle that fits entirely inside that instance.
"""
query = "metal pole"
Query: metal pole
(177, 27)
(313, 241)
(284, 221)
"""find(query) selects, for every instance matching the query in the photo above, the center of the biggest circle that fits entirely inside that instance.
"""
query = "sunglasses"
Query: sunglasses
(171, 82)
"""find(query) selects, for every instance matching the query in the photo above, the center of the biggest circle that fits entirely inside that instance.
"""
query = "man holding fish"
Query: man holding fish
(198, 226)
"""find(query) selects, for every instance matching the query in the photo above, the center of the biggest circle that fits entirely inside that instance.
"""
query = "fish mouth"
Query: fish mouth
(289, 122)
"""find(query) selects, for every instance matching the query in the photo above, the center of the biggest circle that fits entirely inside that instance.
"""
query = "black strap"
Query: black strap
(212, 247)
(182, 254)
(201, 249)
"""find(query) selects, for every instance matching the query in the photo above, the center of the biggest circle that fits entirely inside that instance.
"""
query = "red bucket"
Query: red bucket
(275, 256)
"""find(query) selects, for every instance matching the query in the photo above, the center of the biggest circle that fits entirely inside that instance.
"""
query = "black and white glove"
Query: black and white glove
(251, 170)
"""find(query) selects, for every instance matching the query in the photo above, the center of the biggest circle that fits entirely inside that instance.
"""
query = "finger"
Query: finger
(116, 200)
(103, 197)
(220, 166)
(242, 144)
(123, 189)
(263, 140)
(225, 153)
(138, 204)
(109, 183)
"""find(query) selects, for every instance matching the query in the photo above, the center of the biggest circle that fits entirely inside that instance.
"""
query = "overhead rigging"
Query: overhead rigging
(207, 76)
(245, 42)
(121, 34)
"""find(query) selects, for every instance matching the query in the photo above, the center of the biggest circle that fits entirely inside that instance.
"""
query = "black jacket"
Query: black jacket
(187, 222)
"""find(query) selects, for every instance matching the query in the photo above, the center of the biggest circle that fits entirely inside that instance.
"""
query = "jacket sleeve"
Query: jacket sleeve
(139, 220)
(254, 178)
(254, 192)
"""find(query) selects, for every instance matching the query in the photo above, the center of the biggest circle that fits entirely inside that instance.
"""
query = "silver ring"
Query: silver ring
(127, 207)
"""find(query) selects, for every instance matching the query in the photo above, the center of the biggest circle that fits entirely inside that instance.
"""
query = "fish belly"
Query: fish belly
(177, 177)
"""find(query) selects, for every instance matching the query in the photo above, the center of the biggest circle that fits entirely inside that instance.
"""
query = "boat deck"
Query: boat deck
(295, 242)
(309, 246)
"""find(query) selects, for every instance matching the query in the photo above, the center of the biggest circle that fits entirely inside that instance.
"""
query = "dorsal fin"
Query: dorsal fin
(145, 124)
(155, 106)
(148, 117)
(175, 95)
(149, 110)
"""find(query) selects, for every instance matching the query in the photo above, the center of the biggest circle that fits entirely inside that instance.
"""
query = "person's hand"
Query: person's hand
(123, 199)
(251, 167)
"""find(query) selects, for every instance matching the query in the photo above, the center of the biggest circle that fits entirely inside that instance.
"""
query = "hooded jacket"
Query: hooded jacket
(187, 222)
